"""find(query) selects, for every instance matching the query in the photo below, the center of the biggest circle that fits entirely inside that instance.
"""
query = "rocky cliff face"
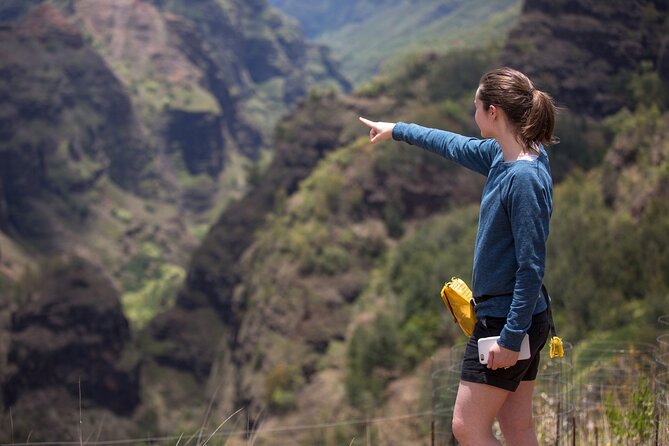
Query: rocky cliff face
(147, 94)
(584, 51)
(106, 104)
(216, 268)
(258, 56)
(71, 336)
(66, 120)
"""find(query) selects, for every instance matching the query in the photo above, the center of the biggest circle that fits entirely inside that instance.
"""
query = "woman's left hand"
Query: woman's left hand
(501, 358)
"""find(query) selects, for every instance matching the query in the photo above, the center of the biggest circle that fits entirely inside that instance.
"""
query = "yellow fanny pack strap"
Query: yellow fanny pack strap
(556, 348)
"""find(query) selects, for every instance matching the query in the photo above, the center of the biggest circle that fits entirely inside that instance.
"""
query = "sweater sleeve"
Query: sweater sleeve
(528, 207)
(474, 154)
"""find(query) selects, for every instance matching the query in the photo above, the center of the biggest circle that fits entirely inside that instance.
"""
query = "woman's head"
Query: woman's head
(529, 111)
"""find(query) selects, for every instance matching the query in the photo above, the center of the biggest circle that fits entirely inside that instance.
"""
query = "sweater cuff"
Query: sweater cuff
(511, 339)
(399, 130)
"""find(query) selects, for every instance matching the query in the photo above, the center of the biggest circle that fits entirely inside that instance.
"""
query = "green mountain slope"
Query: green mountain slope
(331, 288)
(609, 237)
(127, 126)
(368, 35)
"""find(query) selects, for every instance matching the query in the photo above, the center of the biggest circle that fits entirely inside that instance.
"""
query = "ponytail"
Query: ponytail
(539, 122)
(530, 110)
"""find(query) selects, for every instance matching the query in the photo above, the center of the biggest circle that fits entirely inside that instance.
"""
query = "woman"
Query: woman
(516, 121)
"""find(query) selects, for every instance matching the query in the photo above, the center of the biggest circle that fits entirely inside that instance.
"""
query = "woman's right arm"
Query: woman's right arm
(472, 153)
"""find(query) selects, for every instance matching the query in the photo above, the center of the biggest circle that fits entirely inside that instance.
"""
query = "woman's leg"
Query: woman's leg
(476, 407)
(515, 417)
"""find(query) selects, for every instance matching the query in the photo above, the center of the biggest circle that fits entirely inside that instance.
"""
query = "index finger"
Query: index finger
(367, 122)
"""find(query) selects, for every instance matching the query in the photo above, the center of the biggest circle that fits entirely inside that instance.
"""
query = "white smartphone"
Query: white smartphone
(486, 343)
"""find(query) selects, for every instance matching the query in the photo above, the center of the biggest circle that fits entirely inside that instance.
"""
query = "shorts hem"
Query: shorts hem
(495, 381)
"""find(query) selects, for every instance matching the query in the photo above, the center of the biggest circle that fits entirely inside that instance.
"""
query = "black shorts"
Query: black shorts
(507, 379)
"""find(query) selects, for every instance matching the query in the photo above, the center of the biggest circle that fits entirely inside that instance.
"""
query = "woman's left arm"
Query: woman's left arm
(529, 207)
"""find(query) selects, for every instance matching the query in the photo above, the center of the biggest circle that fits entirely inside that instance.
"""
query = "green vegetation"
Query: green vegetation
(603, 245)
(150, 284)
(372, 356)
(606, 237)
(635, 425)
(152, 96)
(440, 248)
(281, 383)
(308, 235)
(606, 264)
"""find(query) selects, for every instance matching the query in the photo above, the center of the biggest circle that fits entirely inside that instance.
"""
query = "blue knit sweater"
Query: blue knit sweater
(516, 206)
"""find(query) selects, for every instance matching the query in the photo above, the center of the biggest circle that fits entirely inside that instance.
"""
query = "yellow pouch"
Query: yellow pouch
(458, 298)
(556, 349)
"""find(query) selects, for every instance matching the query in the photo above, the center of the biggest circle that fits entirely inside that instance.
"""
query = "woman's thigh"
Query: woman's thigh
(477, 405)
(516, 412)
(515, 417)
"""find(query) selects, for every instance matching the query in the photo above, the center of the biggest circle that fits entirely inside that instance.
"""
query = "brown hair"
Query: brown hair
(530, 110)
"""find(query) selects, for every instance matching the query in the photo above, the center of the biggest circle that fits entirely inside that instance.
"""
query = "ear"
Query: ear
(493, 111)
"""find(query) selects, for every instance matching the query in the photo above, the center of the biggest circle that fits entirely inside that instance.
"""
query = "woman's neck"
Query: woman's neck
(512, 149)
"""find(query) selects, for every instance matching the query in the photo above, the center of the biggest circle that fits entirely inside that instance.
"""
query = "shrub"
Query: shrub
(373, 353)
(634, 422)
(280, 384)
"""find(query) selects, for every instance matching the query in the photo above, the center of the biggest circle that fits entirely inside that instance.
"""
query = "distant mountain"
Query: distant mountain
(318, 18)
(366, 35)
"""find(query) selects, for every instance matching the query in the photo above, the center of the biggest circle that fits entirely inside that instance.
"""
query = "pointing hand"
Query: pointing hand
(379, 131)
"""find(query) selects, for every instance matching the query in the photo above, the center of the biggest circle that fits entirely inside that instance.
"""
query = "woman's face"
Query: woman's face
(483, 118)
